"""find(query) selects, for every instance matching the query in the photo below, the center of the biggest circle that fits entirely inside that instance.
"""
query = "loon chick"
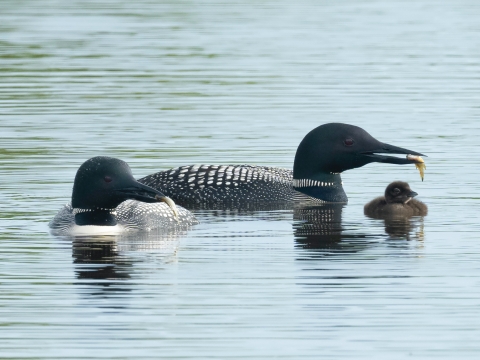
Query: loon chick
(100, 190)
(322, 155)
(398, 201)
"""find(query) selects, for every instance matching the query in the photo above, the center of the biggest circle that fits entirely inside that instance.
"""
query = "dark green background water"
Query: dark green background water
(166, 83)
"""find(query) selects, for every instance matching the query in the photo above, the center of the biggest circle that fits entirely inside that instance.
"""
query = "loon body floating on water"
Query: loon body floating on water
(398, 201)
(107, 200)
(323, 154)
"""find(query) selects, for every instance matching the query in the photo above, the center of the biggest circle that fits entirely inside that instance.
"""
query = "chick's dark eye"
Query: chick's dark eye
(348, 142)
(107, 179)
(396, 191)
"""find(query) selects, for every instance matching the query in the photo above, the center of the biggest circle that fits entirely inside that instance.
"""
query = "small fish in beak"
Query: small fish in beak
(169, 202)
(419, 164)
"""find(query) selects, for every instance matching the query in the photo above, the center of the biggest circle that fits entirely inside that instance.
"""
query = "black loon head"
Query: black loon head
(101, 184)
(332, 148)
(399, 192)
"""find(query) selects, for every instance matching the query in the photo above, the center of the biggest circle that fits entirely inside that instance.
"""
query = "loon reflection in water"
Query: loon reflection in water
(108, 261)
(322, 155)
(98, 258)
(320, 230)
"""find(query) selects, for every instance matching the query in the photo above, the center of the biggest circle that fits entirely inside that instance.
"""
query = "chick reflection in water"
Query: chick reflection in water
(396, 208)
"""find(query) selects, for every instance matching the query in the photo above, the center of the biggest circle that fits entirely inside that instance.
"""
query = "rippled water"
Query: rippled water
(161, 84)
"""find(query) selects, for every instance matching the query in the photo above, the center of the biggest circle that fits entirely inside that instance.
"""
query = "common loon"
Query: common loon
(398, 201)
(322, 155)
(106, 199)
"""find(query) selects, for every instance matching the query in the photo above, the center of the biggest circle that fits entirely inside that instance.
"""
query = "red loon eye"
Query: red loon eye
(107, 179)
(348, 142)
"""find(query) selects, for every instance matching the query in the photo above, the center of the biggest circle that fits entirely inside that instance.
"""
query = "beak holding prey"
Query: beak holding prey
(412, 157)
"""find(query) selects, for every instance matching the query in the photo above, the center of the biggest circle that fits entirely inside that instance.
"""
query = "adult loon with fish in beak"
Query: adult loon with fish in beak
(323, 154)
(107, 200)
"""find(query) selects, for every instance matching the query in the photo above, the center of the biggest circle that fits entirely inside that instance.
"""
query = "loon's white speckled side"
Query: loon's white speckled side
(130, 215)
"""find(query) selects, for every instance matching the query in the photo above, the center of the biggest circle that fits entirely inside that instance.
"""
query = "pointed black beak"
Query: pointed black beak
(383, 148)
(141, 192)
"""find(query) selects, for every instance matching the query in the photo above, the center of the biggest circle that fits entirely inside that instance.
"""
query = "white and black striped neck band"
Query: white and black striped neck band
(301, 183)
(79, 211)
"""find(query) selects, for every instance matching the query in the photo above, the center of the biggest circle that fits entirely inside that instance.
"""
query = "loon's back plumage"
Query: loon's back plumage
(230, 184)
